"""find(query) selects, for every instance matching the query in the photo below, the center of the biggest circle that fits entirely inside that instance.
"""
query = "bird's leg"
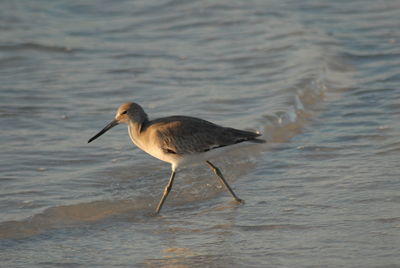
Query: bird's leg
(219, 174)
(167, 189)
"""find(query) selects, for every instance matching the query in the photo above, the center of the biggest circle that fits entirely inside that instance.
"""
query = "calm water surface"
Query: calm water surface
(320, 79)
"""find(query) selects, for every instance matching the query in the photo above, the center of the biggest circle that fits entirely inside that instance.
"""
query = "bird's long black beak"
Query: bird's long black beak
(104, 130)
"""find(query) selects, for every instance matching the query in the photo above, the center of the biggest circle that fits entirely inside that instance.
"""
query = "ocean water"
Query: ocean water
(319, 79)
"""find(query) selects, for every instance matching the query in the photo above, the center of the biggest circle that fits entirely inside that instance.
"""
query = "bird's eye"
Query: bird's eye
(124, 112)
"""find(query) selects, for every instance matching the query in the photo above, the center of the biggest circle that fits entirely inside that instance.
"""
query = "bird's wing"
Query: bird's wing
(187, 135)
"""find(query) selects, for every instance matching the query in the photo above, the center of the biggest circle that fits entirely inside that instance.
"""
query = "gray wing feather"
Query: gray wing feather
(187, 135)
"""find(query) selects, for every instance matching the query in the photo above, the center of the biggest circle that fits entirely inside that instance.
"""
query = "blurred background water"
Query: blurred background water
(319, 78)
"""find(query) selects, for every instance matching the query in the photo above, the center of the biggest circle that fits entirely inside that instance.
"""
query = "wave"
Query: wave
(38, 47)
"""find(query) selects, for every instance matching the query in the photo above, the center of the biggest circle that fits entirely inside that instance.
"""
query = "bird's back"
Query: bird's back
(189, 135)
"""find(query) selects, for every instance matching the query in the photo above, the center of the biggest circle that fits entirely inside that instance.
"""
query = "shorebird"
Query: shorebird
(178, 140)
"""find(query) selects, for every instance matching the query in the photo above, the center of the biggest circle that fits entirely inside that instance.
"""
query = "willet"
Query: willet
(178, 140)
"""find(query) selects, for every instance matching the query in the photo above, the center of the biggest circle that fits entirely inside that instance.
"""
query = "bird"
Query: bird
(178, 140)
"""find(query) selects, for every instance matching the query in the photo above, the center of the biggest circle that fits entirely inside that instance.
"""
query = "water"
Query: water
(319, 78)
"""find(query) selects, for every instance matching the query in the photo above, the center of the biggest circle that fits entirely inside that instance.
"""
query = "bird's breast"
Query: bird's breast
(152, 146)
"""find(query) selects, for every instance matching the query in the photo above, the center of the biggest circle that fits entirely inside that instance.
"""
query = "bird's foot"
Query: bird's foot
(241, 201)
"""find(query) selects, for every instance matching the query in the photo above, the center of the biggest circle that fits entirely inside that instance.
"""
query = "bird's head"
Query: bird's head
(128, 112)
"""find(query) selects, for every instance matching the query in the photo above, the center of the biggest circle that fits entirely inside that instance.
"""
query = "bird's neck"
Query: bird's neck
(137, 119)
(135, 129)
(137, 123)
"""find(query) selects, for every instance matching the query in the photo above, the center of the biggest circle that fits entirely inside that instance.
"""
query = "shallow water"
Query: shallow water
(319, 79)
